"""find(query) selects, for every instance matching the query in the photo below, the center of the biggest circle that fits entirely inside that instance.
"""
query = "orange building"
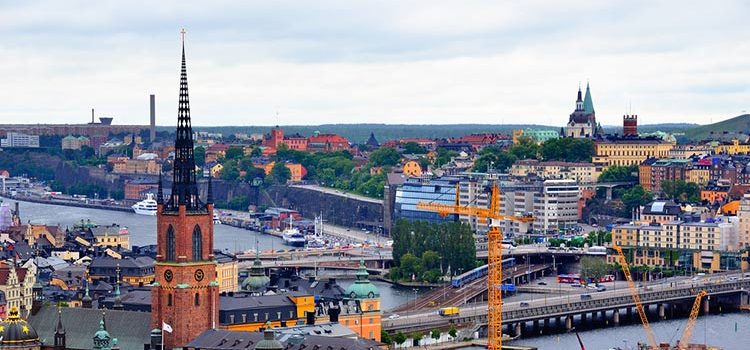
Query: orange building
(365, 318)
(412, 168)
(327, 143)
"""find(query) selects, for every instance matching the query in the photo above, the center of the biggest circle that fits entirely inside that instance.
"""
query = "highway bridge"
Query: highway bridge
(662, 298)
(477, 289)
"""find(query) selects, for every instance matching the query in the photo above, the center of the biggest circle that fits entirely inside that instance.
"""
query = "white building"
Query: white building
(14, 139)
(556, 207)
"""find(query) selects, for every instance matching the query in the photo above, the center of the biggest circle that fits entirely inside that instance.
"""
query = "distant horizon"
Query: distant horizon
(323, 62)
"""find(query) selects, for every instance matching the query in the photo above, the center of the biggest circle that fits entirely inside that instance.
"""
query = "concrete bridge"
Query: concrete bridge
(610, 185)
(660, 299)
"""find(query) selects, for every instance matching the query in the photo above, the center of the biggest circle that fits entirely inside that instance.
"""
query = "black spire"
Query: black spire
(184, 184)
(210, 194)
(59, 331)
(159, 192)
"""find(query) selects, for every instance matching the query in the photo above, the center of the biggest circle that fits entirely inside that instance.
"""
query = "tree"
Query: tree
(681, 191)
(568, 149)
(385, 156)
(444, 156)
(494, 158)
(526, 148)
(452, 331)
(400, 338)
(234, 153)
(229, 171)
(593, 268)
(430, 260)
(280, 174)
(435, 334)
(413, 148)
(385, 337)
(618, 173)
(200, 156)
(635, 196)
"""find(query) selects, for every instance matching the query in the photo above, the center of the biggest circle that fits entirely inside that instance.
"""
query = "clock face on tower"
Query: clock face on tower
(168, 275)
(199, 275)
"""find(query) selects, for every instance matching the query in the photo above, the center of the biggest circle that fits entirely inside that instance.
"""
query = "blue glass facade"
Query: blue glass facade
(436, 191)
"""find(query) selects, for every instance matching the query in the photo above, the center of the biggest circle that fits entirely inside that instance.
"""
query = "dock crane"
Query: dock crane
(636, 297)
(494, 254)
(683, 344)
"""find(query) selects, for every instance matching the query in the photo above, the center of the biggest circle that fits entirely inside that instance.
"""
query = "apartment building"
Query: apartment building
(15, 139)
(583, 173)
(556, 207)
(626, 151)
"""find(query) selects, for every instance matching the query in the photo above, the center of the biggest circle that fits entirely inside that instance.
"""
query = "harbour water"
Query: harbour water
(728, 331)
(143, 232)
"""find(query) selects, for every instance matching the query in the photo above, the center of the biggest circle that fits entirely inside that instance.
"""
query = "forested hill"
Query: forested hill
(359, 133)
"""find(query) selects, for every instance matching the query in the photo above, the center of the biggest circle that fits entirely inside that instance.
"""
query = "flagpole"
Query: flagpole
(162, 335)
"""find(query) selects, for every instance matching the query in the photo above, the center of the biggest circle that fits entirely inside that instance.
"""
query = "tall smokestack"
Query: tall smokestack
(92, 116)
(152, 129)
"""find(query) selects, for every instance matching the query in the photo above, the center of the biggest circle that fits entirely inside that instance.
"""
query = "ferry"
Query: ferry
(292, 236)
(146, 206)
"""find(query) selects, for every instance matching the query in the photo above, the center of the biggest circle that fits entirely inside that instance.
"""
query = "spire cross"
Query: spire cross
(182, 32)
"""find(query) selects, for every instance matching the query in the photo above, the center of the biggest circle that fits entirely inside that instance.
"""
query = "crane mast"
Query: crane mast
(636, 297)
(494, 254)
(683, 344)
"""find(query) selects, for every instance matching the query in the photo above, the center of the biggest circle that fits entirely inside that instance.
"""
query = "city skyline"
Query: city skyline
(376, 62)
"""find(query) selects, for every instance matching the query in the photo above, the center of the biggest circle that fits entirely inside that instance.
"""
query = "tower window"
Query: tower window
(170, 244)
(197, 300)
(169, 299)
(197, 244)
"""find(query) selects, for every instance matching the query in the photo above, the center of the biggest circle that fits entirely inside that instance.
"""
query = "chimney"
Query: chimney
(92, 116)
(152, 125)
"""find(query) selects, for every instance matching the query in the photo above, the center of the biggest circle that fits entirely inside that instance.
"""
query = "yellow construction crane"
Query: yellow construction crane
(636, 297)
(494, 254)
(683, 344)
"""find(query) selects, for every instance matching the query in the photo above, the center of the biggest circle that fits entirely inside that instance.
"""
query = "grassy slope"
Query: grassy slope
(737, 124)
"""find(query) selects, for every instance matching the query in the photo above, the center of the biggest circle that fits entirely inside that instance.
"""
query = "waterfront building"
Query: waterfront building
(624, 151)
(582, 173)
(322, 337)
(75, 143)
(582, 122)
(185, 293)
(417, 190)
(135, 188)
(20, 140)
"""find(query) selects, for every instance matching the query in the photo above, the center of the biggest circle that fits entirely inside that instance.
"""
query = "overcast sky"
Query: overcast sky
(348, 61)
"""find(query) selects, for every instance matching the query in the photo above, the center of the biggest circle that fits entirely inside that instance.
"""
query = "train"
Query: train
(479, 272)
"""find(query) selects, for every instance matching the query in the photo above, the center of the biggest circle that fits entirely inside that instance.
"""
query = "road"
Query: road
(339, 193)
(431, 316)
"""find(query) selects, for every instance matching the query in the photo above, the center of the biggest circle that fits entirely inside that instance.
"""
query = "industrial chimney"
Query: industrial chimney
(152, 126)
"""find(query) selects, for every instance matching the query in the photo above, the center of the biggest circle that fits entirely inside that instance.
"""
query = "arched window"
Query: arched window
(197, 300)
(197, 244)
(169, 299)
(170, 244)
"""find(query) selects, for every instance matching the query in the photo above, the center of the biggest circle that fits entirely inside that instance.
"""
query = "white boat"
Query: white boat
(292, 236)
(146, 206)
(216, 219)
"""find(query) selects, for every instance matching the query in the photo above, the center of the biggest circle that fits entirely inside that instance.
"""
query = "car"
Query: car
(600, 288)
(394, 317)
(695, 278)
(524, 304)
(585, 296)
(542, 283)
(576, 285)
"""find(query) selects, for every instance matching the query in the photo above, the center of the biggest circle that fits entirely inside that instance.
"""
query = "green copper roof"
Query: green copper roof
(257, 280)
(588, 103)
(362, 287)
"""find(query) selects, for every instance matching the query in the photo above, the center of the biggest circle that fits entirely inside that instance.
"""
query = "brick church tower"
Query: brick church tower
(185, 294)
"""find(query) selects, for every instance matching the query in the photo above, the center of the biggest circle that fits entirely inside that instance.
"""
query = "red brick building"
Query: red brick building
(185, 294)
(327, 143)
(134, 188)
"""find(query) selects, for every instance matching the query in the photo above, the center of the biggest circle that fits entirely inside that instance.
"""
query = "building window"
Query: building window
(197, 300)
(169, 299)
(197, 244)
(170, 244)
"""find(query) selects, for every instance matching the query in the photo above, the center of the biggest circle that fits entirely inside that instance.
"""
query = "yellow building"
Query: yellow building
(227, 270)
(113, 236)
(732, 148)
(412, 168)
(363, 297)
(246, 312)
(53, 234)
(137, 166)
(297, 171)
(629, 151)
(699, 174)
(16, 283)
(216, 169)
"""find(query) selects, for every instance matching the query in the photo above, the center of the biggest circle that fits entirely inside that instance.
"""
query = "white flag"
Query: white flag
(166, 327)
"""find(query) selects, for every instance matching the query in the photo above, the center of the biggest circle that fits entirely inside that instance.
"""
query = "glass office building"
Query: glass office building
(416, 190)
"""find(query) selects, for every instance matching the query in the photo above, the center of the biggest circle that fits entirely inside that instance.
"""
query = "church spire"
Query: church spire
(579, 100)
(588, 103)
(184, 184)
